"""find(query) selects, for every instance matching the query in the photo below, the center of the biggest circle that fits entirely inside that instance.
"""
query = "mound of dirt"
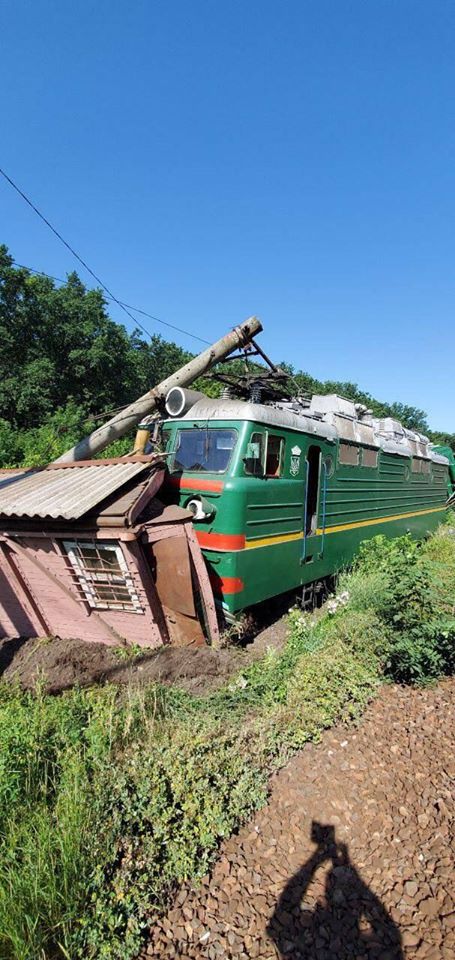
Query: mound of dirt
(61, 664)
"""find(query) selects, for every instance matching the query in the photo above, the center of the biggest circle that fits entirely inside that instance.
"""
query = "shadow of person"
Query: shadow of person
(347, 923)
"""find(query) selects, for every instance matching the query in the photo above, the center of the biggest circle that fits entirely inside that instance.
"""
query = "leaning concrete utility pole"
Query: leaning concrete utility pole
(129, 417)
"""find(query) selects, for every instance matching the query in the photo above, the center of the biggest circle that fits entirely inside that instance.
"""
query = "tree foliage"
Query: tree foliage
(58, 343)
(443, 439)
(63, 360)
(411, 417)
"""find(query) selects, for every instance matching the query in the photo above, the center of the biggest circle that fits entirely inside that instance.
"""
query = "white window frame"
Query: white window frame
(86, 578)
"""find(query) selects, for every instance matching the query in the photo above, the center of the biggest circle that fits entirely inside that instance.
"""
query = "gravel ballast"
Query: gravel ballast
(352, 858)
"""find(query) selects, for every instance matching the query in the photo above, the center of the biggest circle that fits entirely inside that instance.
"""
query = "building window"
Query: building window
(369, 457)
(102, 574)
(274, 455)
(348, 454)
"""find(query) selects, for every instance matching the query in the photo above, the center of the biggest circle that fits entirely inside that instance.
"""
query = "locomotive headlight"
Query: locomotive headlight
(201, 508)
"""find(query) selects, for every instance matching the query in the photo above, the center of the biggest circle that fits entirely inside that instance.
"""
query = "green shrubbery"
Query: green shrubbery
(49, 752)
(410, 587)
(108, 802)
(107, 805)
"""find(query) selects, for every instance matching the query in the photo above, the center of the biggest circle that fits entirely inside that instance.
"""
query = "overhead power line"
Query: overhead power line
(62, 240)
(123, 306)
(144, 313)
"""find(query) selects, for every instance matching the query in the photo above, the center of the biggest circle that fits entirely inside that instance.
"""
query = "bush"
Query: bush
(60, 431)
(414, 601)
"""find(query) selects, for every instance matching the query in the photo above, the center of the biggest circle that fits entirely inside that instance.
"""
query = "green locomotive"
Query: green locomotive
(283, 492)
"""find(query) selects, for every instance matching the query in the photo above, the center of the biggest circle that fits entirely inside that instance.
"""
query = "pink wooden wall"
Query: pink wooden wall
(65, 617)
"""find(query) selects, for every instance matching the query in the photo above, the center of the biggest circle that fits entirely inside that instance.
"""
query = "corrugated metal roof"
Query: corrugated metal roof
(11, 472)
(63, 494)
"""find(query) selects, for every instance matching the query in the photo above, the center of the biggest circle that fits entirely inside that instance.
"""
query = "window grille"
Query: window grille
(348, 454)
(369, 457)
(420, 466)
(439, 472)
(102, 574)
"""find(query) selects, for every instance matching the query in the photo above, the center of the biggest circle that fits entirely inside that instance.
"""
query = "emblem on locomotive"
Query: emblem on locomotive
(295, 461)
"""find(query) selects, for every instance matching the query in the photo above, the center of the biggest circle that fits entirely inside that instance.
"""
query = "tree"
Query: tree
(443, 439)
(57, 343)
(153, 362)
(410, 417)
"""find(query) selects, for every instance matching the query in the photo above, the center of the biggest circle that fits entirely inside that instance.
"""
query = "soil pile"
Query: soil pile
(60, 663)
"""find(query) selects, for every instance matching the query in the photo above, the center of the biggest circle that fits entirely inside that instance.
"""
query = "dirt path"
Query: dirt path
(352, 858)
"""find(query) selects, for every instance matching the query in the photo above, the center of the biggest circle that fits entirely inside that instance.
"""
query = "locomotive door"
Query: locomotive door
(314, 505)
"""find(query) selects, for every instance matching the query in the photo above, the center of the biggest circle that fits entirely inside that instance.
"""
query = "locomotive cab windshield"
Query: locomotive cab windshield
(203, 449)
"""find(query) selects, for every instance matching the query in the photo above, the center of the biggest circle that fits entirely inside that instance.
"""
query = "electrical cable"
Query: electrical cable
(172, 326)
(123, 306)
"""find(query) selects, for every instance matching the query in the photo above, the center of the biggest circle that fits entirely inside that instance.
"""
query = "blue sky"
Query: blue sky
(215, 159)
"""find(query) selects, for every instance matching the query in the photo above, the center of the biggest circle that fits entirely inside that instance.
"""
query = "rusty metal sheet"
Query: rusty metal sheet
(174, 586)
(183, 631)
(173, 578)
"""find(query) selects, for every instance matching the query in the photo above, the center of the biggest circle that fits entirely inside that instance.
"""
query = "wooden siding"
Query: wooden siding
(68, 618)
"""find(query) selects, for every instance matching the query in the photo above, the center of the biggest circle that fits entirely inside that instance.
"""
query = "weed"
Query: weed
(128, 652)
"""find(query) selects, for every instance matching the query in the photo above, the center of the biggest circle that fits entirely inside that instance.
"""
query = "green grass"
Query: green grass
(108, 802)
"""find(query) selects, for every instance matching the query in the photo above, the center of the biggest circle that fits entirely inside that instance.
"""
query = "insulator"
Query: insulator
(255, 393)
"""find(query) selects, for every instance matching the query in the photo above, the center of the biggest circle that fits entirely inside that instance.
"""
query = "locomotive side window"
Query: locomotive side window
(254, 460)
(274, 455)
(348, 454)
(369, 457)
(265, 455)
